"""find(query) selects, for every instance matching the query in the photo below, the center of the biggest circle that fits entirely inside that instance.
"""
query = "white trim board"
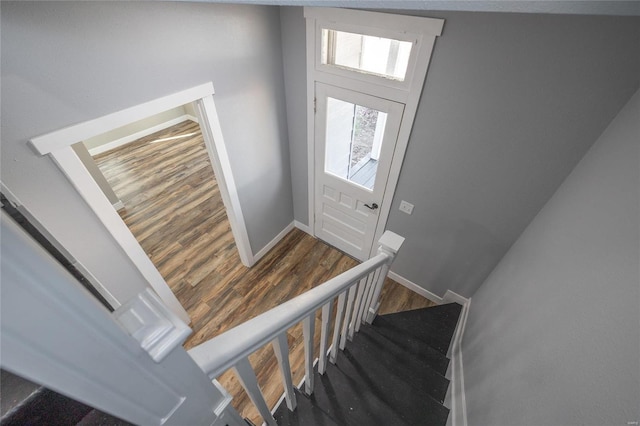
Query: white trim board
(456, 399)
(192, 118)
(271, 244)
(453, 297)
(62, 138)
(142, 133)
(301, 226)
(219, 158)
(415, 288)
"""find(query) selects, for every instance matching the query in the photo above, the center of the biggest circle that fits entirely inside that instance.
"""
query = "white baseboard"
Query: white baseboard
(273, 242)
(302, 227)
(453, 297)
(415, 288)
(191, 117)
(456, 399)
(142, 133)
(119, 205)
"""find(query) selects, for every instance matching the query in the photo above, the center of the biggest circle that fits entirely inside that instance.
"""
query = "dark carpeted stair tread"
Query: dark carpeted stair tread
(413, 347)
(434, 326)
(46, 407)
(442, 318)
(410, 404)
(305, 414)
(380, 354)
(99, 418)
(397, 327)
(350, 401)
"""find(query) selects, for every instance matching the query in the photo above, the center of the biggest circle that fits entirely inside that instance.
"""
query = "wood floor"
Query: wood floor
(173, 208)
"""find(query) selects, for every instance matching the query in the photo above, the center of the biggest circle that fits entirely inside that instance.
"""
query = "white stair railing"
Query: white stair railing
(357, 290)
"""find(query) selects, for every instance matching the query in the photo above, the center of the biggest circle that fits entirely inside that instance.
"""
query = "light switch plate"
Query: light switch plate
(406, 207)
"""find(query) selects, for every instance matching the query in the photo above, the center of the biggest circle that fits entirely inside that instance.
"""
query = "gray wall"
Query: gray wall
(552, 336)
(132, 128)
(64, 63)
(294, 46)
(510, 105)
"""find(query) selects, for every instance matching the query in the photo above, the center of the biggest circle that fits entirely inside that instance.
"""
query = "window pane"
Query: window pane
(353, 141)
(368, 54)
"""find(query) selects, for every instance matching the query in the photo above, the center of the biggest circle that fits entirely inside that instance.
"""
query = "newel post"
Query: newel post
(390, 244)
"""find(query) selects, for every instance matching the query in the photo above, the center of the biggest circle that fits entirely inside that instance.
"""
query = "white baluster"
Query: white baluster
(308, 327)
(356, 307)
(324, 336)
(377, 288)
(249, 382)
(281, 349)
(365, 296)
(336, 327)
(390, 243)
(347, 316)
(372, 286)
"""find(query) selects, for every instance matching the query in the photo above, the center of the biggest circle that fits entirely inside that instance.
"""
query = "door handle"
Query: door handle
(373, 206)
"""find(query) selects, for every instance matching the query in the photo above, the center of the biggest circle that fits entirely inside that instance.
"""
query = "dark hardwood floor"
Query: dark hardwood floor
(174, 209)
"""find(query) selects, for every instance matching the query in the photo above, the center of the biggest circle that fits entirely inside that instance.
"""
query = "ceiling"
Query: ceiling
(577, 7)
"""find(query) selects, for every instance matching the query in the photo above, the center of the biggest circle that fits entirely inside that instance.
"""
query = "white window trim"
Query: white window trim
(424, 30)
(370, 78)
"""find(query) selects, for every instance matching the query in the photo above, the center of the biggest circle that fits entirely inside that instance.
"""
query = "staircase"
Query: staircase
(392, 373)
(371, 370)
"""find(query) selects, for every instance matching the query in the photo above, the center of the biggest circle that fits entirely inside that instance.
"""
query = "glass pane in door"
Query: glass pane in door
(353, 141)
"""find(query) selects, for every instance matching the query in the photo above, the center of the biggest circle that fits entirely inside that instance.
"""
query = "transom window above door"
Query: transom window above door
(368, 54)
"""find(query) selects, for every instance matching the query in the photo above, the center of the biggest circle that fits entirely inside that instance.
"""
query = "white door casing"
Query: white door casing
(58, 146)
(346, 213)
(421, 32)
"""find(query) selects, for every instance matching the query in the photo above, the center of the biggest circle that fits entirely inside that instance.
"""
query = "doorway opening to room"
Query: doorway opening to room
(157, 174)
(67, 149)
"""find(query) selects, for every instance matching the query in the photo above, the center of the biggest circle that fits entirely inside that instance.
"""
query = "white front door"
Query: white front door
(355, 138)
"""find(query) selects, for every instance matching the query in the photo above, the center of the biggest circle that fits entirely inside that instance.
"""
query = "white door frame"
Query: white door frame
(424, 32)
(58, 145)
(355, 209)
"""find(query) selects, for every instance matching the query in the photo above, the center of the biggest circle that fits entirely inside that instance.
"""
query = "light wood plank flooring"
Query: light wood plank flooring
(173, 208)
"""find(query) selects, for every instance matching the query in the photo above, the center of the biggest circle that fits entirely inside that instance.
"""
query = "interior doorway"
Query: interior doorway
(168, 196)
(59, 146)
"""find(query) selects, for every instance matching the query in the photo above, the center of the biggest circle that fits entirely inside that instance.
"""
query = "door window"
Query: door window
(354, 138)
